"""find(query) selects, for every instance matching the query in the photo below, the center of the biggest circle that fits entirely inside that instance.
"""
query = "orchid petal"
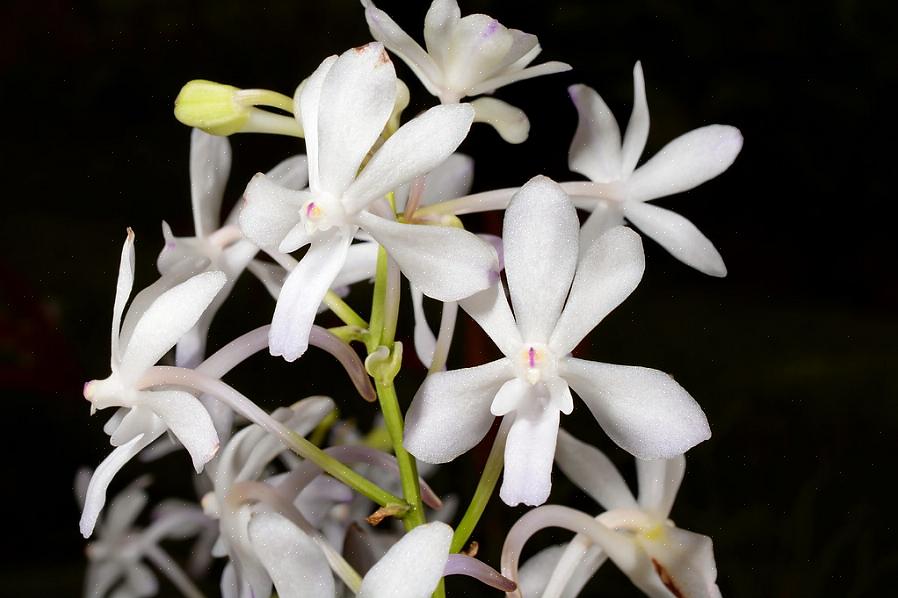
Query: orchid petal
(510, 396)
(186, 418)
(166, 320)
(510, 122)
(125, 508)
(271, 211)
(643, 411)
(596, 148)
(416, 148)
(477, 47)
(450, 180)
(594, 473)
(659, 481)
(610, 268)
(440, 20)
(303, 292)
(412, 568)
(686, 162)
(682, 563)
(210, 165)
(451, 411)
(605, 216)
(271, 276)
(357, 98)
(490, 310)
(425, 341)
(677, 235)
(540, 241)
(445, 263)
(638, 127)
(292, 173)
(297, 566)
(138, 420)
(123, 287)
(535, 575)
(513, 76)
(306, 102)
(361, 264)
(529, 452)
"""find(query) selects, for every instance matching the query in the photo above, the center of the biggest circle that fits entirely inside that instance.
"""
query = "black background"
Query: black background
(792, 355)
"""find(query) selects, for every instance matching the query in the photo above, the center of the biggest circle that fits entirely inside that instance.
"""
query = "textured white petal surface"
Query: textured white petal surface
(682, 563)
(638, 127)
(292, 173)
(188, 420)
(678, 236)
(306, 103)
(210, 165)
(511, 123)
(529, 452)
(686, 162)
(659, 481)
(593, 472)
(539, 236)
(596, 148)
(166, 320)
(490, 310)
(644, 411)
(122, 291)
(441, 18)
(445, 263)
(610, 268)
(270, 211)
(451, 411)
(514, 75)
(419, 146)
(412, 568)
(303, 292)
(297, 566)
(449, 180)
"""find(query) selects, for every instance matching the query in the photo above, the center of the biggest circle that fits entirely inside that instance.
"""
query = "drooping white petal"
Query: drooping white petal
(441, 18)
(609, 269)
(385, 30)
(678, 236)
(186, 418)
(446, 263)
(412, 568)
(297, 566)
(451, 411)
(210, 165)
(682, 563)
(638, 127)
(659, 481)
(529, 452)
(419, 146)
(539, 237)
(122, 291)
(170, 316)
(594, 473)
(292, 173)
(306, 103)
(270, 211)
(514, 75)
(596, 148)
(303, 292)
(686, 162)
(138, 420)
(425, 341)
(510, 122)
(99, 482)
(357, 98)
(490, 310)
(643, 410)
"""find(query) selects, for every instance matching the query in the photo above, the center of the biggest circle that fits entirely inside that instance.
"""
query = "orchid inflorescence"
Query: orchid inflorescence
(287, 498)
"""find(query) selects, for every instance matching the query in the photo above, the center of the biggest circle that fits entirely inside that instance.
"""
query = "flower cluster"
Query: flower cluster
(300, 503)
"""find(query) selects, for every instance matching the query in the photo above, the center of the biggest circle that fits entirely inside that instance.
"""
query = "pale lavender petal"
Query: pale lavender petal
(461, 564)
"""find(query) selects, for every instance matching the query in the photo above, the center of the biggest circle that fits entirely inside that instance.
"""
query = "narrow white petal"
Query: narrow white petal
(593, 472)
(511, 123)
(659, 481)
(425, 341)
(514, 75)
(686, 162)
(210, 165)
(446, 263)
(125, 508)
(596, 148)
(440, 20)
(638, 127)
(580, 561)
(412, 568)
(123, 288)
(187, 419)
(306, 103)
(605, 216)
(166, 320)
(610, 268)
(271, 275)
(529, 452)
(450, 180)
(644, 411)
(270, 211)
(303, 292)
(451, 411)
(490, 310)
(292, 173)
(535, 574)
(361, 264)
(678, 236)
(419, 146)
(357, 98)
(540, 241)
(297, 566)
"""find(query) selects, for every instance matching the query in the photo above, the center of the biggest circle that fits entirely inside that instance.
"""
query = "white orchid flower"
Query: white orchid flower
(149, 332)
(661, 559)
(116, 557)
(344, 106)
(560, 292)
(466, 57)
(620, 190)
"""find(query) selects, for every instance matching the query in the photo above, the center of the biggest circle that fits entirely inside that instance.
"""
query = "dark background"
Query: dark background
(792, 355)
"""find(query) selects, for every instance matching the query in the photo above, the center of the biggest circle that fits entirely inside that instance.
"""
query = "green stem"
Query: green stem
(376, 330)
(343, 311)
(484, 491)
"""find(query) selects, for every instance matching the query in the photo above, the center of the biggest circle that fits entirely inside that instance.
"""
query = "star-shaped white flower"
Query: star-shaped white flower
(344, 106)
(660, 558)
(598, 153)
(150, 330)
(560, 292)
(467, 57)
